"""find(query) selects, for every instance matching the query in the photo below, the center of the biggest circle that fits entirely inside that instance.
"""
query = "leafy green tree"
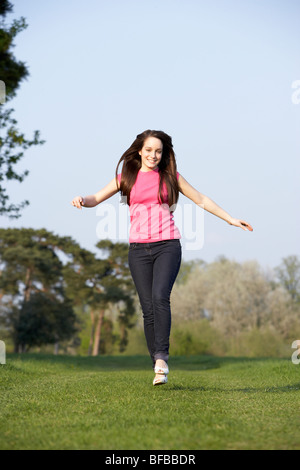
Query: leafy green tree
(30, 262)
(12, 142)
(102, 285)
(119, 286)
(83, 278)
(54, 321)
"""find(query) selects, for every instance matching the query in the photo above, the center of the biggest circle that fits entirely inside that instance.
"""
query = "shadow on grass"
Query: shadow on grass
(113, 363)
(246, 390)
(51, 363)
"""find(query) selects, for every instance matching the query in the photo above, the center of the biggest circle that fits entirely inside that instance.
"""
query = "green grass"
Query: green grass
(63, 402)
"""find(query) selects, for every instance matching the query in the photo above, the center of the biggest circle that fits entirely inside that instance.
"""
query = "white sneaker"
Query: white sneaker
(161, 370)
(160, 380)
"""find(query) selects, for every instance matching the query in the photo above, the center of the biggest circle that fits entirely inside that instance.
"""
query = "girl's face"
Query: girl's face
(151, 153)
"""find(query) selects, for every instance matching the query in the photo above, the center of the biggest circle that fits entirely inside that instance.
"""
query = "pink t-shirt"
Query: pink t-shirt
(150, 220)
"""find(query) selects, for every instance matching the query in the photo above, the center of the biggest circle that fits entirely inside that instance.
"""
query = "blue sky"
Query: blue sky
(216, 75)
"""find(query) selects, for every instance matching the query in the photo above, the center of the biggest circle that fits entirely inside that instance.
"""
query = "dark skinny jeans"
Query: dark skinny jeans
(154, 267)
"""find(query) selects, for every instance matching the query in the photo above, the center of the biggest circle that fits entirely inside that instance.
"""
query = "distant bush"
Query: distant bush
(264, 342)
(199, 337)
(195, 337)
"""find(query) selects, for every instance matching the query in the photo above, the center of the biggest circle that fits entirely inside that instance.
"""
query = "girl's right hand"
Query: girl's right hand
(78, 202)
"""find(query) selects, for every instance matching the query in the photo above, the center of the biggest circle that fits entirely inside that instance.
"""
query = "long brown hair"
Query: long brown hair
(167, 167)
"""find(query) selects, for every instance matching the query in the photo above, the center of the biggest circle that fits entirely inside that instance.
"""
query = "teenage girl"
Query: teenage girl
(150, 183)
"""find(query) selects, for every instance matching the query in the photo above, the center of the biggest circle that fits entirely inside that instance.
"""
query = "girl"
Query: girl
(150, 183)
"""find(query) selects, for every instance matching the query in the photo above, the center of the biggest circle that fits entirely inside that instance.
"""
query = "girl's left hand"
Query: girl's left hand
(242, 224)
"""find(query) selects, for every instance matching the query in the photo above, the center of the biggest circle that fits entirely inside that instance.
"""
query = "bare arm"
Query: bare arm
(209, 205)
(91, 201)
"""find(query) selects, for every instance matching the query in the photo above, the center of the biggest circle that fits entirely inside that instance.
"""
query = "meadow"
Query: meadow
(109, 402)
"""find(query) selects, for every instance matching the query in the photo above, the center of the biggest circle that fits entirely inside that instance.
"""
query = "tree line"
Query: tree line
(54, 292)
(226, 307)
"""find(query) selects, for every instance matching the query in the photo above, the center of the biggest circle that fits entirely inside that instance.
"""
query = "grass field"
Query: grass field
(62, 402)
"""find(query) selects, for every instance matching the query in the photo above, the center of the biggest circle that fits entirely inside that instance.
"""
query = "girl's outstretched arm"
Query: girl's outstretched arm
(206, 203)
(91, 201)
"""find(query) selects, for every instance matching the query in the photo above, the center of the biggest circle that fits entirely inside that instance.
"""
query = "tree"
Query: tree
(288, 274)
(83, 279)
(232, 296)
(31, 282)
(53, 319)
(105, 287)
(188, 295)
(120, 289)
(12, 141)
(243, 304)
